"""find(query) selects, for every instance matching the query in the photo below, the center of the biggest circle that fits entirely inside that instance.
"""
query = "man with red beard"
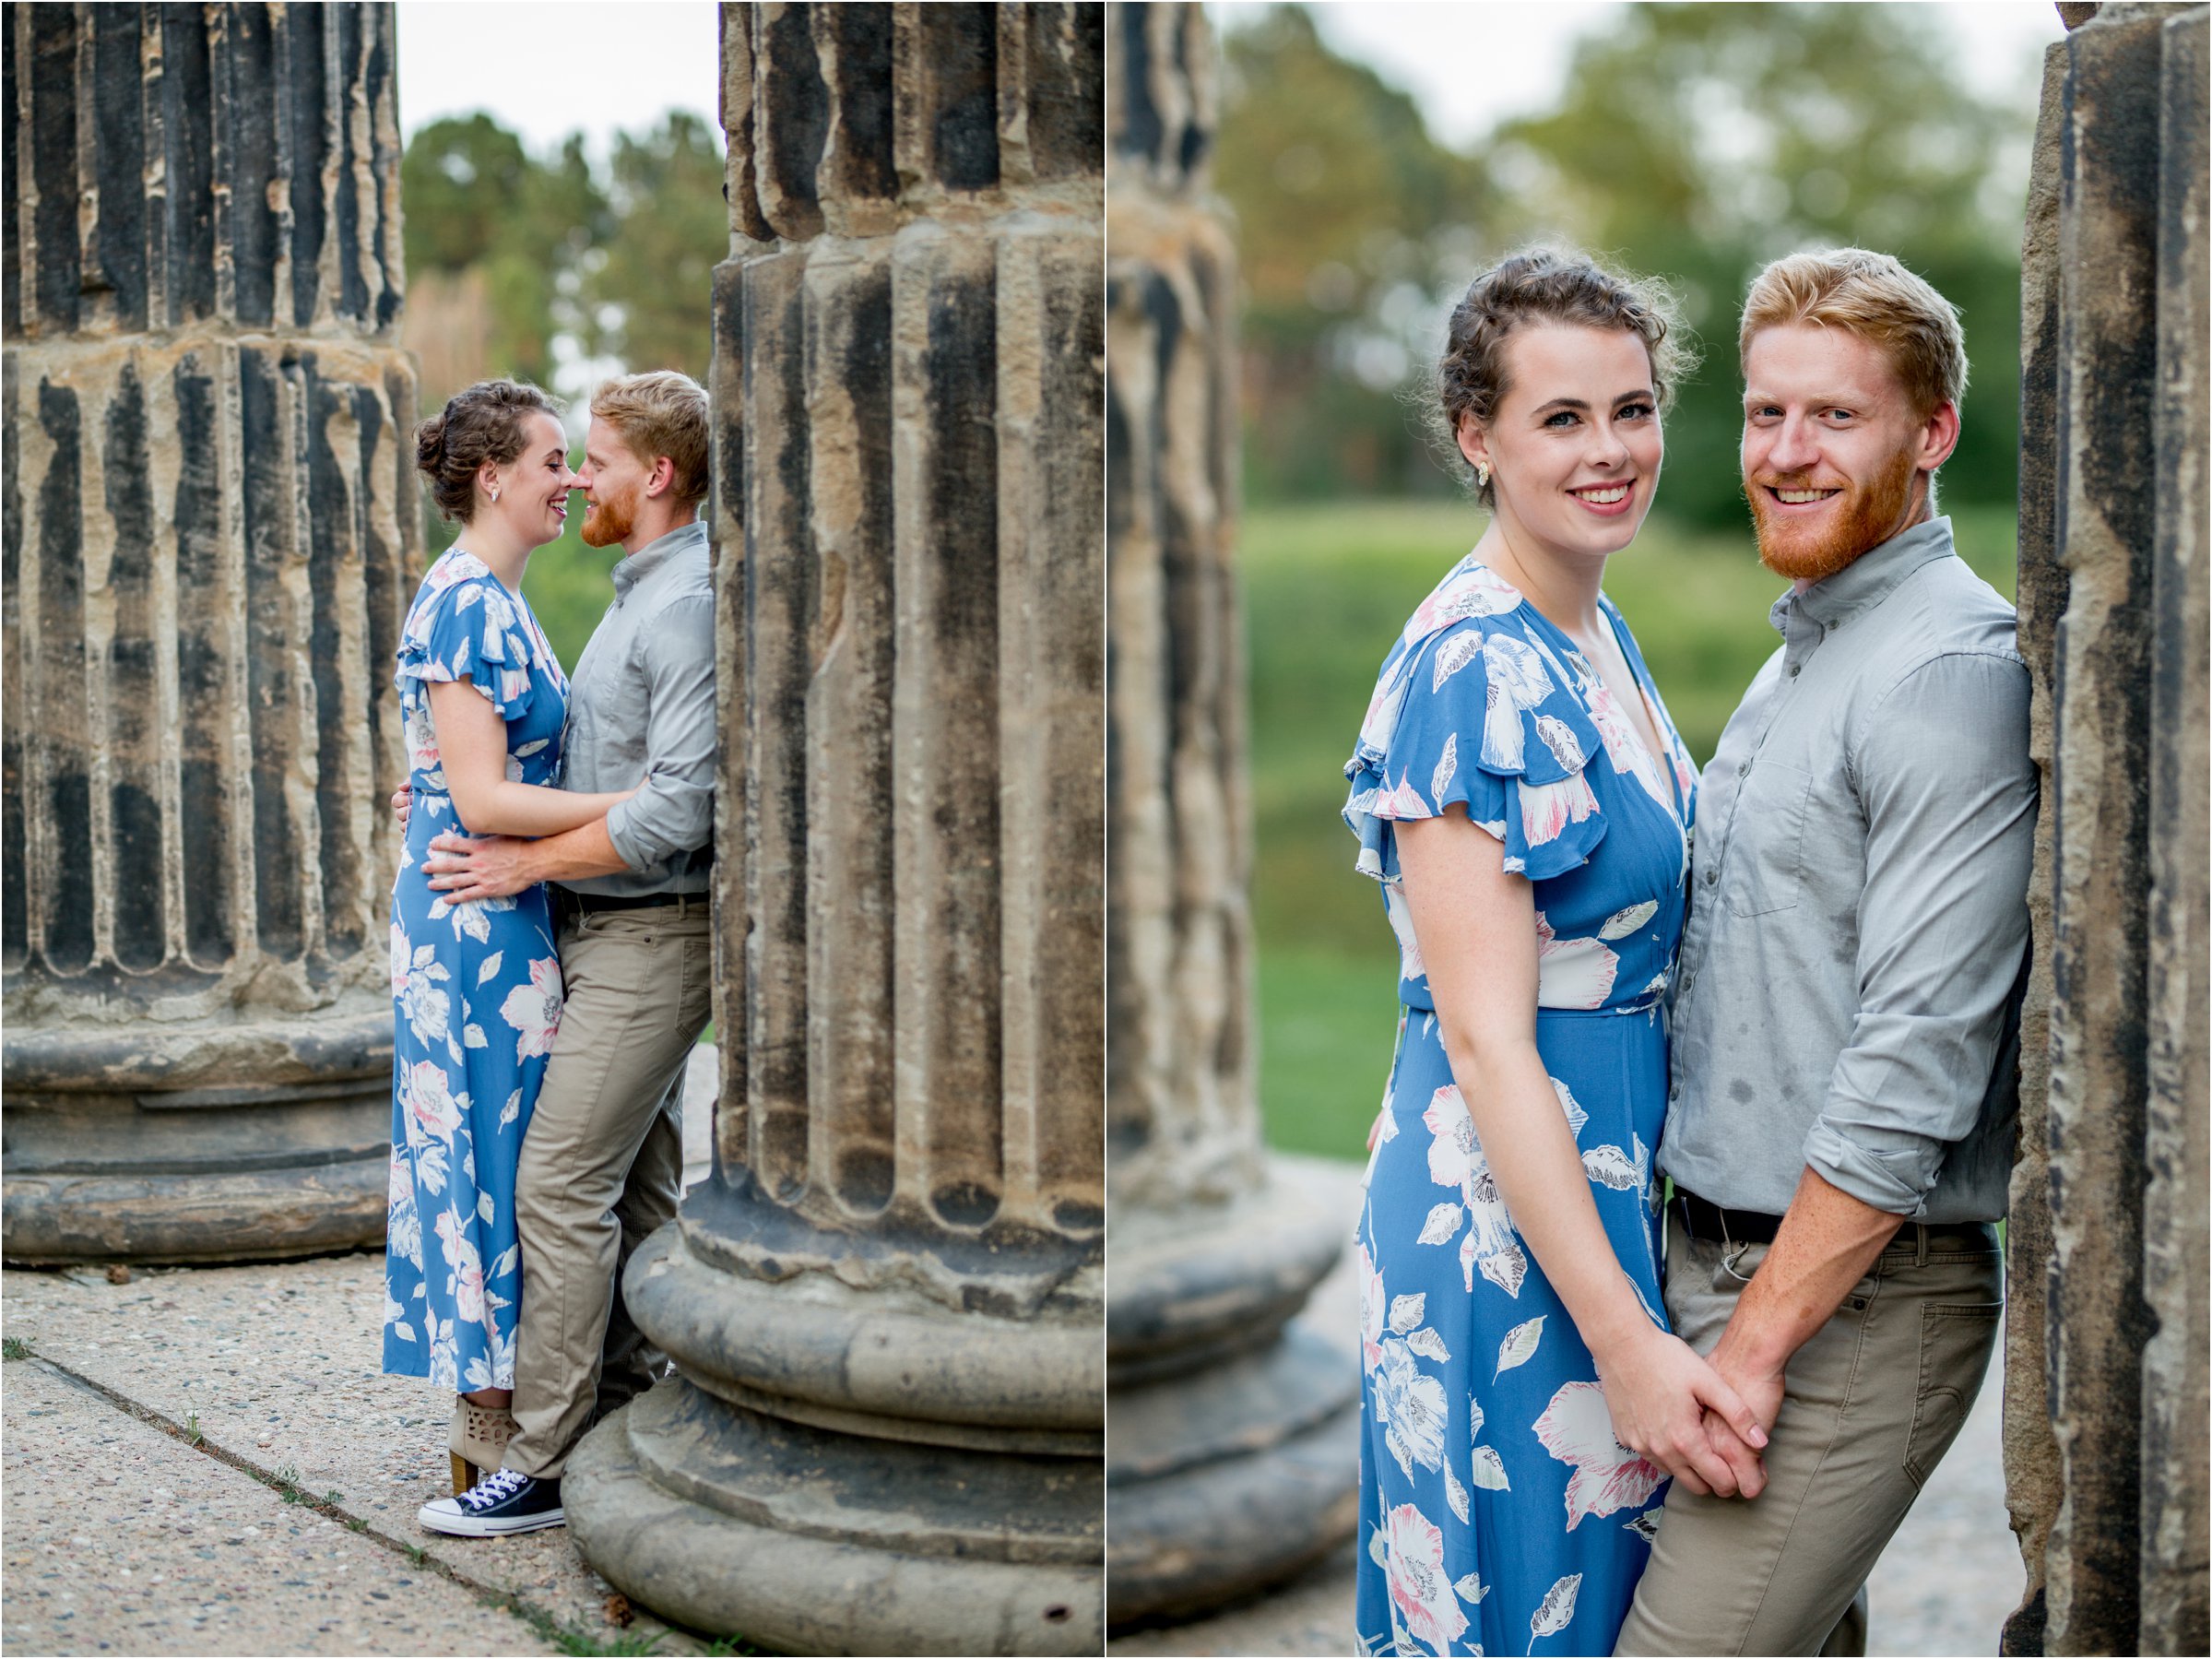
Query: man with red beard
(1845, 1023)
(602, 1161)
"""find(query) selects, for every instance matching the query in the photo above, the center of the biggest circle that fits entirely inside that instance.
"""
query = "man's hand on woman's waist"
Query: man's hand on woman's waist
(465, 870)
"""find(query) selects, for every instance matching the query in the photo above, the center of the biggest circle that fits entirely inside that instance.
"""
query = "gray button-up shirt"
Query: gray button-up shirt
(1850, 987)
(641, 706)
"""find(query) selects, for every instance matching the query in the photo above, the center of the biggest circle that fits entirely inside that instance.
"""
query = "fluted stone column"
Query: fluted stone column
(210, 531)
(1233, 1452)
(885, 1308)
(2106, 1397)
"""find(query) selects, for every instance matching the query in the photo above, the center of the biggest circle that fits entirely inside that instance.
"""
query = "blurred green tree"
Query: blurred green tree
(508, 254)
(494, 241)
(1689, 141)
(647, 291)
(1700, 141)
(1350, 217)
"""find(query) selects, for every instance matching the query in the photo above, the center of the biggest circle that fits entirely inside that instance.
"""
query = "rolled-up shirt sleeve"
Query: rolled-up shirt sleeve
(675, 811)
(1949, 792)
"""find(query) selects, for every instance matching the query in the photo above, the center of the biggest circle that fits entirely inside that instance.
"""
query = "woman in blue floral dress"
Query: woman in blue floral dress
(1521, 796)
(476, 988)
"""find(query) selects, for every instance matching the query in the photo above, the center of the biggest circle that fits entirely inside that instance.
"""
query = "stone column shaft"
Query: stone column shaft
(1233, 1452)
(2032, 1481)
(2176, 1247)
(2107, 206)
(891, 1287)
(210, 541)
(2110, 1507)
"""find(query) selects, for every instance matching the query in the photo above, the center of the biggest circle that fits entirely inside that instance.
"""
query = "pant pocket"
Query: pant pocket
(1955, 1342)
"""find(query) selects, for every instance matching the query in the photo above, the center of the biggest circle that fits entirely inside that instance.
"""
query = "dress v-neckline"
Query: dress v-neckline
(1662, 730)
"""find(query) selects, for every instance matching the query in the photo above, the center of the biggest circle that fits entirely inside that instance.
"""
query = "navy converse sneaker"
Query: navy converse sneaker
(501, 1503)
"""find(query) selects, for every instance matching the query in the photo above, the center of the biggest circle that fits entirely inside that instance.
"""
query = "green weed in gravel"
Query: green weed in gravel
(13, 1349)
(578, 1643)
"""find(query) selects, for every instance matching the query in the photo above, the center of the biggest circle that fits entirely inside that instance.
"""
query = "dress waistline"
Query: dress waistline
(1642, 1005)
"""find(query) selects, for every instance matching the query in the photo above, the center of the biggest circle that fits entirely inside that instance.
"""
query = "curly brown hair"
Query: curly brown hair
(1545, 285)
(483, 423)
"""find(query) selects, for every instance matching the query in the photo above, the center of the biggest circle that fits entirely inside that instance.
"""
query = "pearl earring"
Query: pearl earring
(495, 492)
(1481, 475)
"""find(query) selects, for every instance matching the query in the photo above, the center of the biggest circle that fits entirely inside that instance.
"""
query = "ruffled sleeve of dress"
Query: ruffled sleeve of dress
(1481, 712)
(466, 626)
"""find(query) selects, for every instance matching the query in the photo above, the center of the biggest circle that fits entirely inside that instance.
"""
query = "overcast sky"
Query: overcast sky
(1471, 64)
(545, 68)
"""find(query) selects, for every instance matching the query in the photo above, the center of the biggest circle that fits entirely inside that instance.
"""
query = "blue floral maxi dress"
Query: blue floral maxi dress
(476, 990)
(1497, 1511)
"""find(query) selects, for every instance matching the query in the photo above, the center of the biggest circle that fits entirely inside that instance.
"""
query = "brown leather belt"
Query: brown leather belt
(1711, 1223)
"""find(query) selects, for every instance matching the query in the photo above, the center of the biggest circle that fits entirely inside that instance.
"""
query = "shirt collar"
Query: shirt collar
(654, 554)
(1870, 578)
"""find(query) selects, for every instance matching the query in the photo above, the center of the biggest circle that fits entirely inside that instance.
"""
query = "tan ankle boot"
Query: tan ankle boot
(478, 1442)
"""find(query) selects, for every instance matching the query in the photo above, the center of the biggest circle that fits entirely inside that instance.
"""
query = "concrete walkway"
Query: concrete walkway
(1943, 1587)
(210, 1461)
(207, 1461)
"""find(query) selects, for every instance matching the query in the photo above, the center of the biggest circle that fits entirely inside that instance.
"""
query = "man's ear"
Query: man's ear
(661, 478)
(1937, 436)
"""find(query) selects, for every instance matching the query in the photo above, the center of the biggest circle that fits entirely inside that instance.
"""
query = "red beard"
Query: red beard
(1864, 519)
(610, 520)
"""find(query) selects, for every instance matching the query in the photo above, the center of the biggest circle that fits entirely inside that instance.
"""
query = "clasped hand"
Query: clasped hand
(1676, 1410)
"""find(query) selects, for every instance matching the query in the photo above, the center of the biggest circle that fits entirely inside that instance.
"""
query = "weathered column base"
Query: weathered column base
(809, 1541)
(264, 1214)
(1225, 1482)
(1233, 1433)
(222, 1143)
(840, 1469)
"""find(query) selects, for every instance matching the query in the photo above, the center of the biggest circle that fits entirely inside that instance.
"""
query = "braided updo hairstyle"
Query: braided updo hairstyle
(482, 423)
(1543, 285)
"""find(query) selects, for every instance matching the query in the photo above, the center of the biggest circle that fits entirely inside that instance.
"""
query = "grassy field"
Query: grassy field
(1326, 589)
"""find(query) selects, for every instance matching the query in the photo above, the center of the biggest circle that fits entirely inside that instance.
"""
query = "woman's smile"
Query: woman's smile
(1608, 500)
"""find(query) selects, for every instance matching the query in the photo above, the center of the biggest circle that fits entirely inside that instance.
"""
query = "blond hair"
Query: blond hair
(661, 413)
(1875, 297)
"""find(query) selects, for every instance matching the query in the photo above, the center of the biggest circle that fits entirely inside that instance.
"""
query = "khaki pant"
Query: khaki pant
(603, 1167)
(1871, 1405)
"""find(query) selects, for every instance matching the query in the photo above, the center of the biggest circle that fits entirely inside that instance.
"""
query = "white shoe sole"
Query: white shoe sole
(433, 1519)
